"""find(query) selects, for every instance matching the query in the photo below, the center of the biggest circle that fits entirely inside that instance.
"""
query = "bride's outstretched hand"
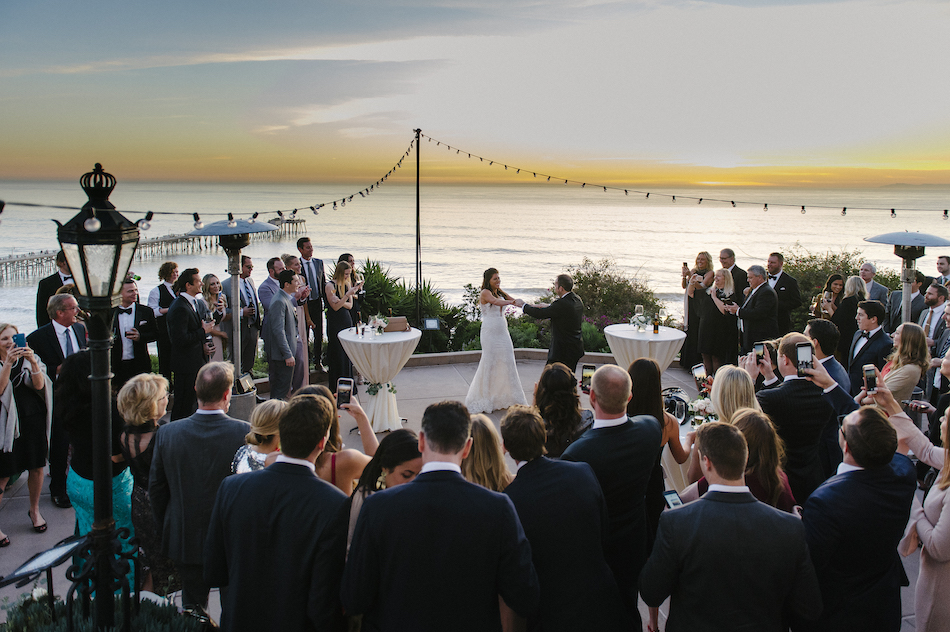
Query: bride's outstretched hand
(519, 302)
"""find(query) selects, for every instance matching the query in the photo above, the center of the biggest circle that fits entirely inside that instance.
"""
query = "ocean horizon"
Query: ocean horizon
(530, 233)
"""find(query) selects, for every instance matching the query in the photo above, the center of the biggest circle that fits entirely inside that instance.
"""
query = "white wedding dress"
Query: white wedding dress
(496, 383)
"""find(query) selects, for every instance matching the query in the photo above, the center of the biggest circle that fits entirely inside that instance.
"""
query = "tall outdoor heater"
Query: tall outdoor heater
(909, 247)
(233, 235)
(99, 244)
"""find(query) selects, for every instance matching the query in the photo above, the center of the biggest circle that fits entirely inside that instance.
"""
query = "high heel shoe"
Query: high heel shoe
(37, 528)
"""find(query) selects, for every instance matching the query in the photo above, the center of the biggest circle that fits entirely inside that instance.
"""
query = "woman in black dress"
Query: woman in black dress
(24, 420)
(718, 331)
(142, 403)
(830, 298)
(556, 398)
(695, 281)
(339, 294)
(843, 316)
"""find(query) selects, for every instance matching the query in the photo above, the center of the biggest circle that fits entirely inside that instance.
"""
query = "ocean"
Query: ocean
(530, 232)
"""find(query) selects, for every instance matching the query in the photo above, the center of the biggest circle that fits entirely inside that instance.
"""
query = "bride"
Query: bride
(496, 383)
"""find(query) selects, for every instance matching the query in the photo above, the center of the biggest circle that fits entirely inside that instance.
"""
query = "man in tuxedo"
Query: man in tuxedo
(759, 312)
(895, 304)
(437, 553)
(798, 410)
(824, 336)
(856, 559)
(250, 313)
(52, 342)
(936, 384)
(192, 456)
(160, 300)
(622, 451)
(787, 294)
(872, 289)
(270, 287)
(943, 270)
(312, 269)
(728, 561)
(566, 314)
(563, 512)
(190, 347)
(269, 528)
(133, 327)
(870, 345)
(280, 336)
(48, 286)
(727, 259)
(931, 319)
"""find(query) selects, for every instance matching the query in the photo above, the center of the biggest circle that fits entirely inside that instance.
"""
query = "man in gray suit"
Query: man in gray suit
(250, 311)
(728, 561)
(895, 304)
(269, 287)
(872, 289)
(280, 336)
(192, 456)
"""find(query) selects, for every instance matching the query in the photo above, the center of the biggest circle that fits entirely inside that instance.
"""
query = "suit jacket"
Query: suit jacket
(895, 316)
(45, 344)
(45, 289)
(829, 451)
(280, 328)
(740, 279)
(855, 556)
(435, 554)
(800, 414)
(878, 293)
(191, 458)
(563, 512)
(874, 351)
(938, 331)
(788, 297)
(837, 372)
(566, 314)
(770, 574)
(270, 526)
(317, 285)
(759, 317)
(939, 351)
(187, 337)
(245, 320)
(266, 292)
(622, 458)
(144, 321)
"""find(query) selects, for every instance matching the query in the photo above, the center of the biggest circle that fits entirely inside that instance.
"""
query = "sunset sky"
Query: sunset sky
(673, 92)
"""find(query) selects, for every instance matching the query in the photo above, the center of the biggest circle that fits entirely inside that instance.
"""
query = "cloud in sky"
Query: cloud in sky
(336, 88)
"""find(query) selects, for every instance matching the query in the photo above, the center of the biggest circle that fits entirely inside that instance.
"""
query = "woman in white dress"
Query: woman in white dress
(496, 383)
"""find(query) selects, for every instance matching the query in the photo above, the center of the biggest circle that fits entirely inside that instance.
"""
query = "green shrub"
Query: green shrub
(34, 616)
(594, 339)
(382, 289)
(467, 336)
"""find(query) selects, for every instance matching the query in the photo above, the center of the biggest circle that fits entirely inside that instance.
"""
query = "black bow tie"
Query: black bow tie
(125, 311)
(67, 278)
(865, 334)
(772, 277)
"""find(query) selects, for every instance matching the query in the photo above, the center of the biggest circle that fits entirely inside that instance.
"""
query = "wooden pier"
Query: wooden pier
(36, 265)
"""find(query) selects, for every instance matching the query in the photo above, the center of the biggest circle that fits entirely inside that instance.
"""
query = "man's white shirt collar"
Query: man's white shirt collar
(283, 458)
(609, 423)
(729, 489)
(844, 468)
(440, 466)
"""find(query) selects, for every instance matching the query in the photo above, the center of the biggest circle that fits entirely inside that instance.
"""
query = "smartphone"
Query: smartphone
(19, 340)
(804, 352)
(587, 372)
(870, 379)
(344, 389)
(672, 499)
(699, 372)
(759, 349)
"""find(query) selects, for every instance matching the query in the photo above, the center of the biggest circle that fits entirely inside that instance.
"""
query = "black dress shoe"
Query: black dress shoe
(62, 501)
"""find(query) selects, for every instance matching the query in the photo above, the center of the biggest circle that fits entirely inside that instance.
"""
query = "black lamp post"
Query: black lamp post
(99, 244)
(909, 247)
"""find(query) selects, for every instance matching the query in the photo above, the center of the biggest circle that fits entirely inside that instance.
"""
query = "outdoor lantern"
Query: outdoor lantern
(98, 243)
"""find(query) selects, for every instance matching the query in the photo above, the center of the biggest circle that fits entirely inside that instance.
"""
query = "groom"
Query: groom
(565, 314)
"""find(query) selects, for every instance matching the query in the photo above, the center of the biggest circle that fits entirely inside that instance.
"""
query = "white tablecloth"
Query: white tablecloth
(627, 344)
(379, 359)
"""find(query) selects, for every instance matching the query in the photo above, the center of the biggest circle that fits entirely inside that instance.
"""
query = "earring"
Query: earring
(381, 481)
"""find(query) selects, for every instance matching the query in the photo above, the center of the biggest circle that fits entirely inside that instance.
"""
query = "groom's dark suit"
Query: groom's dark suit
(565, 314)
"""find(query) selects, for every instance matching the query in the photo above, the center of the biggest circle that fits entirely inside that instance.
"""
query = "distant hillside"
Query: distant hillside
(903, 185)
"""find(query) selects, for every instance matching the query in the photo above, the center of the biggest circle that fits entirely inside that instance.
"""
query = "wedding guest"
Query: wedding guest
(931, 319)
(718, 329)
(133, 327)
(830, 297)
(357, 279)
(270, 286)
(160, 299)
(872, 289)
(908, 362)
(870, 345)
(48, 286)
(895, 304)
(566, 314)
(843, 316)
(337, 464)
(304, 324)
(786, 290)
(485, 465)
(25, 420)
(188, 332)
(556, 398)
(281, 337)
(142, 402)
(312, 270)
(250, 313)
(943, 270)
(824, 336)
(758, 313)
(339, 298)
(263, 441)
(695, 281)
(740, 280)
(215, 304)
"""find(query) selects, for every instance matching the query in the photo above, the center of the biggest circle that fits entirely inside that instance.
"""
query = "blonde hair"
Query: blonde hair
(944, 482)
(728, 285)
(854, 286)
(732, 389)
(340, 283)
(138, 400)
(5, 326)
(485, 464)
(210, 300)
(709, 262)
(265, 420)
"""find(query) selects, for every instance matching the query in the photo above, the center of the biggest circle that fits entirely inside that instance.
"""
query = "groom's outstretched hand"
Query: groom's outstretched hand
(519, 302)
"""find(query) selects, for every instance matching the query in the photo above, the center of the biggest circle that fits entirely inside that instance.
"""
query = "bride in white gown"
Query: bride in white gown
(496, 383)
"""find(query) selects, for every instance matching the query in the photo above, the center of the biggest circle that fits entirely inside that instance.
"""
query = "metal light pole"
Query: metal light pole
(99, 244)
(909, 247)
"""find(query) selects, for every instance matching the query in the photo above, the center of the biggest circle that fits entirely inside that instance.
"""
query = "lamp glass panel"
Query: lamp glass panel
(74, 259)
(100, 265)
(125, 260)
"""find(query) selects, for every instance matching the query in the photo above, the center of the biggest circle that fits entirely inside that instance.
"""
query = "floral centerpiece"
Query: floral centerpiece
(703, 410)
(378, 322)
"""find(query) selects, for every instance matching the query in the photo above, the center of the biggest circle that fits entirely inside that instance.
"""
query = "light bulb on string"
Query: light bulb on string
(231, 221)
(946, 213)
(648, 196)
(700, 201)
(605, 189)
(92, 223)
(198, 223)
(674, 198)
(2, 205)
(733, 205)
(765, 207)
(253, 219)
(146, 223)
(893, 214)
(844, 211)
(803, 209)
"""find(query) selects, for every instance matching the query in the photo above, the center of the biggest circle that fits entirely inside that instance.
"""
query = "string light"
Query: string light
(232, 223)
(733, 204)
(945, 214)
(844, 211)
(253, 219)
(92, 224)
(198, 223)
(803, 209)
(146, 223)
(893, 214)
(765, 207)
(700, 201)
